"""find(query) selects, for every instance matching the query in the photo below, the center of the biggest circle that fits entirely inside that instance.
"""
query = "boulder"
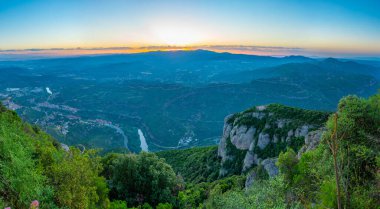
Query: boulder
(249, 160)
(261, 108)
(290, 135)
(65, 147)
(312, 139)
(263, 140)
(302, 131)
(270, 166)
(281, 123)
(242, 136)
(258, 115)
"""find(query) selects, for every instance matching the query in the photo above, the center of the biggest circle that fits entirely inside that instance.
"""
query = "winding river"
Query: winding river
(143, 144)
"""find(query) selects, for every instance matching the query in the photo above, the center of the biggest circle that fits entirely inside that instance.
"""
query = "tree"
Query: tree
(353, 138)
(333, 143)
(76, 182)
(164, 206)
(287, 162)
(143, 178)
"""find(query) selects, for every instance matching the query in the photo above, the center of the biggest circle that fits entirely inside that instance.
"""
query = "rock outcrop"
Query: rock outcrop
(263, 140)
(242, 136)
(269, 166)
(65, 147)
(312, 140)
(258, 135)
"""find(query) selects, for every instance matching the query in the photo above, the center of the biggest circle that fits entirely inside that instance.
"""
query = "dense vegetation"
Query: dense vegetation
(342, 172)
(199, 164)
(33, 166)
(298, 116)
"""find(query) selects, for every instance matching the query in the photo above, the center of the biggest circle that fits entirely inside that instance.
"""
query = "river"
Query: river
(143, 144)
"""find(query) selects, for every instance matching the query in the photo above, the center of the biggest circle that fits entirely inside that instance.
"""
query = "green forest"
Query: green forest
(342, 172)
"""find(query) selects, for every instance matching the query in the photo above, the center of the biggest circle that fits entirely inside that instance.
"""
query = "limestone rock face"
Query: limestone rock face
(312, 140)
(301, 131)
(281, 123)
(258, 115)
(263, 141)
(249, 160)
(223, 141)
(242, 136)
(270, 166)
(247, 136)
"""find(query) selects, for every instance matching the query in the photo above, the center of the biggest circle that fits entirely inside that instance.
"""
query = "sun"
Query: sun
(178, 36)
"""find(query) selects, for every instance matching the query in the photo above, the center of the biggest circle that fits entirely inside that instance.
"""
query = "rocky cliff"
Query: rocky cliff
(257, 136)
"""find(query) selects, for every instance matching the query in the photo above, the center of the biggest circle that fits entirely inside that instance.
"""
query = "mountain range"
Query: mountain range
(170, 99)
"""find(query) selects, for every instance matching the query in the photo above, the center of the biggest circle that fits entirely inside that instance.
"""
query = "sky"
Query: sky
(274, 27)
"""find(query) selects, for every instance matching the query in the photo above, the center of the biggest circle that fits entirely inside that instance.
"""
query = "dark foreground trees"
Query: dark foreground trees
(143, 178)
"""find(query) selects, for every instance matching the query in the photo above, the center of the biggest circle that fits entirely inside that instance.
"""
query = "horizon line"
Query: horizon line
(275, 51)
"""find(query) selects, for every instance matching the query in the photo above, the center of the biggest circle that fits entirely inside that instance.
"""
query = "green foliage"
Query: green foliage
(75, 179)
(143, 178)
(33, 167)
(327, 194)
(261, 173)
(262, 194)
(164, 206)
(195, 165)
(358, 140)
(195, 194)
(249, 121)
(298, 116)
(118, 204)
(286, 163)
(366, 197)
(146, 206)
(21, 179)
(312, 178)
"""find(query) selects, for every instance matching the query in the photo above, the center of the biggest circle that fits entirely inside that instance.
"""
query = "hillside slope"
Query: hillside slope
(34, 166)
(195, 165)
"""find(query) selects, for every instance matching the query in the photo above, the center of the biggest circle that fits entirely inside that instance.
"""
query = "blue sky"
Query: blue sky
(337, 26)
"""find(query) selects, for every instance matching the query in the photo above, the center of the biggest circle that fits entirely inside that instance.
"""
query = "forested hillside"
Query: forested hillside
(342, 171)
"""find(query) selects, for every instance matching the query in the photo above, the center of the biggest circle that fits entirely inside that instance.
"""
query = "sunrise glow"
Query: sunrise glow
(251, 27)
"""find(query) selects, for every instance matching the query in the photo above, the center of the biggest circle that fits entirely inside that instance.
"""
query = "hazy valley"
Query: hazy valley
(172, 99)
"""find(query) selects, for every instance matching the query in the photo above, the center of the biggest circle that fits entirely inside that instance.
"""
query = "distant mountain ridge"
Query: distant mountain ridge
(325, 67)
